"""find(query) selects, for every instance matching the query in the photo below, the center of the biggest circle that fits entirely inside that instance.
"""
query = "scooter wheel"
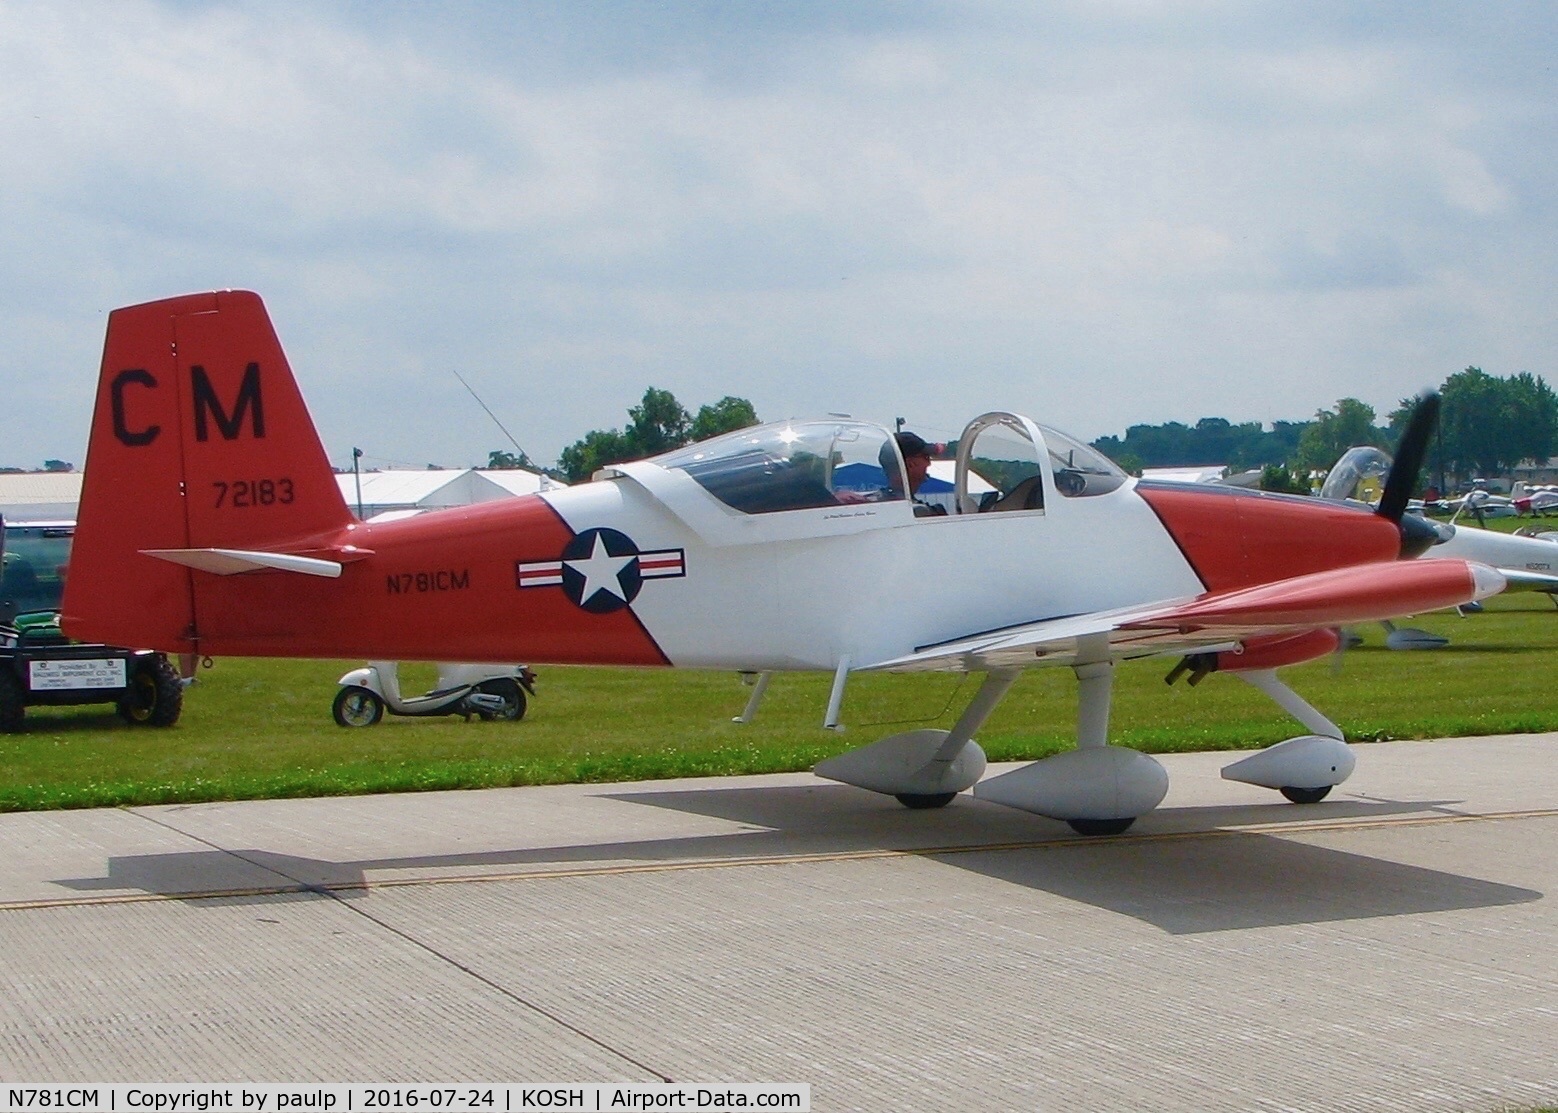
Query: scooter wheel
(513, 699)
(356, 706)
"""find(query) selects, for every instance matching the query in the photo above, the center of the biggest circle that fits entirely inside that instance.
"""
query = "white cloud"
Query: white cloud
(1145, 213)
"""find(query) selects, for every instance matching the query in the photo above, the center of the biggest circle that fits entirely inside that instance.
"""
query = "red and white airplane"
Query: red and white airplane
(210, 523)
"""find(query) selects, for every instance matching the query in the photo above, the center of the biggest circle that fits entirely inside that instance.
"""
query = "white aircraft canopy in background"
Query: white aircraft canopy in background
(1358, 475)
(207, 487)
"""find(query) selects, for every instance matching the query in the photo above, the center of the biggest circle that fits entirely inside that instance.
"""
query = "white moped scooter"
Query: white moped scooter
(485, 690)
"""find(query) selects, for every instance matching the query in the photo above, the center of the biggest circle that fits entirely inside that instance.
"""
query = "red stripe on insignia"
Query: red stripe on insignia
(540, 573)
(662, 567)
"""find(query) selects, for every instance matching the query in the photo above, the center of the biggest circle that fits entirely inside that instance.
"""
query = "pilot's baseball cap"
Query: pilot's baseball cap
(912, 444)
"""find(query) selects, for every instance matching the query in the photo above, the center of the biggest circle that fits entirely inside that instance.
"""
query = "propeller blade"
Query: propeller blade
(1410, 454)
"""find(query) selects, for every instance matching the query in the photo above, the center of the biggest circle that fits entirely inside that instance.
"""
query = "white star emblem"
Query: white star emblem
(601, 571)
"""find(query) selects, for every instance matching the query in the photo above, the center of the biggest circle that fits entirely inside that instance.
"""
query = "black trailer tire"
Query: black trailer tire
(154, 696)
(356, 706)
(13, 702)
(511, 694)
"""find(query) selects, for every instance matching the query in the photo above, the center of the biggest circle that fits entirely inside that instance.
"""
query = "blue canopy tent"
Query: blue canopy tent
(865, 477)
(937, 489)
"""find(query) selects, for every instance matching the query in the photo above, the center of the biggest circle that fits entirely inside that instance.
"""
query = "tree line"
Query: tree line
(657, 424)
(1486, 426)
(48, 465)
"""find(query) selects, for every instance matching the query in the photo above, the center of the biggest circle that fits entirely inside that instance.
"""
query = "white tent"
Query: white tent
(411, 491)
(43, 496)
(54, 496)
(517, 481)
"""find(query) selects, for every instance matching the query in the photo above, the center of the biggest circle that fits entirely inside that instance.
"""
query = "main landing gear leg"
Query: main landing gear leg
(1304, 769)
(985, 701)
(924, 768)
(1097, 788)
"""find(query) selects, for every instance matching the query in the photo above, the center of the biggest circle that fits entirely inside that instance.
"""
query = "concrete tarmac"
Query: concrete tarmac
(1392, 948)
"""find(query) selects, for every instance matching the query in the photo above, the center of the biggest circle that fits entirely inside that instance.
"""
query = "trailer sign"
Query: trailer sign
(89, 672)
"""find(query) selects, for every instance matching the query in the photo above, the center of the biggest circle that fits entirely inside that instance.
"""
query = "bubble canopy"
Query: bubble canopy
(802, 465)
(1356, 466)
(789, 465)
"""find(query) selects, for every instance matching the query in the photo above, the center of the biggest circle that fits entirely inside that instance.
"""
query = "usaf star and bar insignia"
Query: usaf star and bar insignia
(601, 570)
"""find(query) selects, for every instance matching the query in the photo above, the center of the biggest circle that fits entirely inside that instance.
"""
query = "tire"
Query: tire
(356, 706)
(513, 699)
(1305, 795)
(13, 701)
(155, 696)
(920, 801)
(1101, 826)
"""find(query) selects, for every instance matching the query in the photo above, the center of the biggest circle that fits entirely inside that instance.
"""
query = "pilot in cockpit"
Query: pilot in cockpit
(917, 456)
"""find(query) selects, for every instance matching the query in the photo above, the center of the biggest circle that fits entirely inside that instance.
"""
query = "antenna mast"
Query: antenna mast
(522, 453)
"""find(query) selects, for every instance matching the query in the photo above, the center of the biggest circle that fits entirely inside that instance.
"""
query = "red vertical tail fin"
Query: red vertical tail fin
(200, 440)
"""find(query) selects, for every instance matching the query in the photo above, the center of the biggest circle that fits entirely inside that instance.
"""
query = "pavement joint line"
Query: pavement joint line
(335, 895)
(497, 987)
(1062, 842)
(147, 898)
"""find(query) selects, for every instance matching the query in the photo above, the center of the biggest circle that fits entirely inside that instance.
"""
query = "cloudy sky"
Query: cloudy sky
(1098, 212)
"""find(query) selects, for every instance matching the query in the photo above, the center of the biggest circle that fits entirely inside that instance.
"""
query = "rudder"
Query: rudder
(200, 439)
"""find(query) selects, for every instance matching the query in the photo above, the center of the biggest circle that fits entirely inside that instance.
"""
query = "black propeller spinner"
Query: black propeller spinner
(1416, 534)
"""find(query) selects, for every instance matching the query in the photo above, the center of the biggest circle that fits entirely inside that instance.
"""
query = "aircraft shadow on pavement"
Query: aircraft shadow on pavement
(1186, 886)
(1180, 870)
(1201, 878)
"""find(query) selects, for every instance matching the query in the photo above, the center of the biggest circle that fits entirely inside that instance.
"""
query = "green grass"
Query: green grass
(262, 728)
(1505, 525)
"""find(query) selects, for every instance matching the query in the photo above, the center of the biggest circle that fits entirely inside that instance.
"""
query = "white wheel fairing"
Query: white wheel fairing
(1100, 782)
(902, 764)
(1308, 761)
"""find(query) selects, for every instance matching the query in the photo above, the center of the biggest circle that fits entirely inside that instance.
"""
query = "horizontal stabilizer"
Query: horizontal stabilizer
(229, 562)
